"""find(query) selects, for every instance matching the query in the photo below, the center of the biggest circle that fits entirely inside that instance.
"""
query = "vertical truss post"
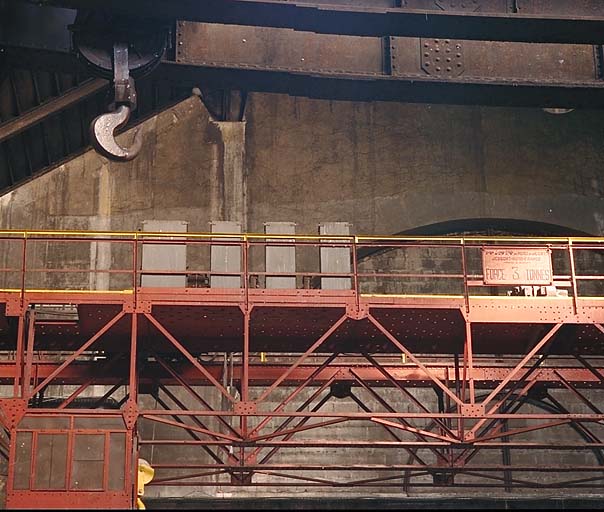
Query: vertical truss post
(355, 274)
(29, 354)
(464, 270)
(448, 451)
(23, 268)
(246, 277)
(458, 393)
(245, 371)
(442, 459)
(470, 361)
(133, 379)
(245, 355)
(573, 275)
(243, 419)
(135, 268)
(131, 413)
(18, 383)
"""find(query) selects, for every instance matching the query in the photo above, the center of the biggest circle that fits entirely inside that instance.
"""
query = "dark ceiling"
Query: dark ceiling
(63, 135)
(48, 97)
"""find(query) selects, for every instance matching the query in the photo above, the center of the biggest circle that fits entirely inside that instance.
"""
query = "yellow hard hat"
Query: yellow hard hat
(145, 475)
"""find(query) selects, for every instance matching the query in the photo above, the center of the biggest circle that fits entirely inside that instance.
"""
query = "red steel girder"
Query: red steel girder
(486, 377)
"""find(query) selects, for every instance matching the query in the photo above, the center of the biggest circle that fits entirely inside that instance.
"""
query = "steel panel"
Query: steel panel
(164, 256)
(280, 258)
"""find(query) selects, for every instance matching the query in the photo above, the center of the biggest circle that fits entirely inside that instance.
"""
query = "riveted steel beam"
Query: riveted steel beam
(389, 68)
(392, 68)
(494, 20)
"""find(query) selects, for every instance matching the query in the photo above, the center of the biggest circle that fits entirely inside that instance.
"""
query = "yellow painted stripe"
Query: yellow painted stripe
(138, 235)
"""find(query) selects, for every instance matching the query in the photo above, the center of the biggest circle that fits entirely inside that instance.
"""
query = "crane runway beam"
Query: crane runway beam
(554, 22)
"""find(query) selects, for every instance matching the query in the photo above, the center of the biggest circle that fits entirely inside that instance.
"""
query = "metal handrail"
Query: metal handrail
(248, 241)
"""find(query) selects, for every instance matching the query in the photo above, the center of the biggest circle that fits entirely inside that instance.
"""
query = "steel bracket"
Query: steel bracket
(472, 410)
(245, 408)
(143, 306)
(130, 413)
(442, 57)
(355, 312)
(13, 306)
(12, 411)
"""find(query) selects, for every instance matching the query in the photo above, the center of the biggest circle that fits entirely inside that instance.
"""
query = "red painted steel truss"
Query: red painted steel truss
(457, 385)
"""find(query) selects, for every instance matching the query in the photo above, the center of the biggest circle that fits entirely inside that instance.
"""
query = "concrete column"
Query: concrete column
(229, 189)
(100, 253)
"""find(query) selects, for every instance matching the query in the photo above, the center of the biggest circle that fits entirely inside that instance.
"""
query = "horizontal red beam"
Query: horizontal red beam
(485, 377)
(312, 444)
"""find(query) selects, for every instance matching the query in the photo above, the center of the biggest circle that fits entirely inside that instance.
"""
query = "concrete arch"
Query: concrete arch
(494, 226)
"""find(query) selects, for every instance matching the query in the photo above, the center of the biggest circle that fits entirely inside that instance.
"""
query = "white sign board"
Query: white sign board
(507, 266)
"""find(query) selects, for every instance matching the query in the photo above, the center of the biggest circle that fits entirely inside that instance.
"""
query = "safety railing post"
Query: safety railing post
(355, 271)
(246, 277)
(464, 269)
(135, 267)
(573, 275)
(23, 268)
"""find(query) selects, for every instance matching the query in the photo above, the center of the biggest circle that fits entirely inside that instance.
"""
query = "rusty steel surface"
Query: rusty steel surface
(389, 68)
(361, 68)
(446, 376)
(215, 45)
(564, 22)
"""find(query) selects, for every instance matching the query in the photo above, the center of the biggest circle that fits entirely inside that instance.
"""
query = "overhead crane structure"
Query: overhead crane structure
(526, 53)
(444, 372)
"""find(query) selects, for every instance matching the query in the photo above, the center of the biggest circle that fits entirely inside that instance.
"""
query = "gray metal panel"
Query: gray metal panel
(280, 258)
(335, 259)
(164, 256)
(225, 258)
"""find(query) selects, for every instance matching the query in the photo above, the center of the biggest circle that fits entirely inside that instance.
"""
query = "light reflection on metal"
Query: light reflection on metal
(558, 110)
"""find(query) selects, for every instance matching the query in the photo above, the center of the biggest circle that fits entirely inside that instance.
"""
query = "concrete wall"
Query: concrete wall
(384, 167)
(388, 167)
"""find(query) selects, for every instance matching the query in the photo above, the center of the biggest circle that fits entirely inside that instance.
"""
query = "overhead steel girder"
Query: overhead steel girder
(492, 20)
(535, 89)
(392, 68)
(352, 67)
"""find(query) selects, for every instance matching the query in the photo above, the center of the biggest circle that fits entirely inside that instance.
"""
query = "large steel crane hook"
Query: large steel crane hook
(118, 48)
(103, 127)
(102, 135)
